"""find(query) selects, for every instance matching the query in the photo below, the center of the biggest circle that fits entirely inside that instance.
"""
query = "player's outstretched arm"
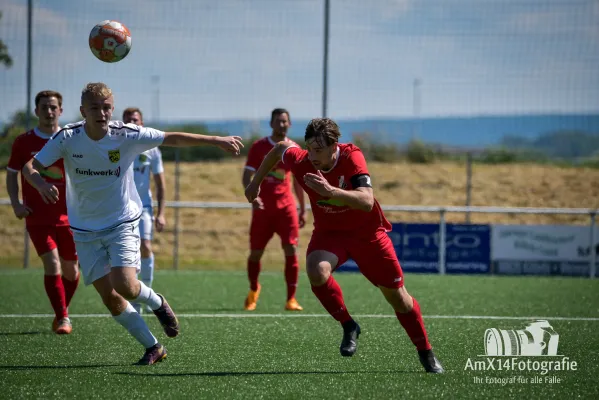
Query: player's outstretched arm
(271, 159)
(30, 172)
(232, 144)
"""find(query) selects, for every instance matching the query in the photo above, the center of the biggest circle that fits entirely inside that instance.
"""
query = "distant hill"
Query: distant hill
(482, 131)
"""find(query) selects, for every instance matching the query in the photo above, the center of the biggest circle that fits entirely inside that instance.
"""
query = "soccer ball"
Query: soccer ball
(110, 41)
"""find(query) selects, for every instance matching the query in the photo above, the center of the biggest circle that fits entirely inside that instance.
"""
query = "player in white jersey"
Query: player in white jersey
(147, 163)
(104, 207)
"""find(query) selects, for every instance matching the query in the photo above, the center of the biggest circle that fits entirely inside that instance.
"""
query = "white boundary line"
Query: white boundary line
(249, 315)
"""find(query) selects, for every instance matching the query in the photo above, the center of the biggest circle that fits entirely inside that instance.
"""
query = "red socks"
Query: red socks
(331, 298)
(69, 288)
(414, 325)
(253, 272)
(56, 294)
(291, 274)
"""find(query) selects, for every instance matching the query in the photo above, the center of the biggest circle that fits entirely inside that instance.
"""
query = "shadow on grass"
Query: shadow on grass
(23, 333)
(32, 367)
(258, 373)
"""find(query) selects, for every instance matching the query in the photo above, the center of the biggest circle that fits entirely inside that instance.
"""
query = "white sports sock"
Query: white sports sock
(148, 296)
(146, 275)
(136, 326)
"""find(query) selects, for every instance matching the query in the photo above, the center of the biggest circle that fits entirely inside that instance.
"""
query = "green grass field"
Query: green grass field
(223, 352)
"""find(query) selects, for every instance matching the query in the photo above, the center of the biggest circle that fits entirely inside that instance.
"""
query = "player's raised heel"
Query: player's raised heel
(167, 318)
(153, 355)
(349, 343)
(430, 362)
(62, 327)
(251, 301)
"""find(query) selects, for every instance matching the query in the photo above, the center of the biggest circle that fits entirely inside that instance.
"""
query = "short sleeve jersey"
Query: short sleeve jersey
(24, 148)
(101, 191)
(330, 214)
(147, 163)
(275, 190)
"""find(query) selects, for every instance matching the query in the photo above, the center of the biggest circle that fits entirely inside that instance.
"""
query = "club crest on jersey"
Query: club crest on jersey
(142, 157)
(114, 155)
(342, 184)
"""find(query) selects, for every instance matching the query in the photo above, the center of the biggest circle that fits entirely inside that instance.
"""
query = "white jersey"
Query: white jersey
(147, 163)
(101, 192)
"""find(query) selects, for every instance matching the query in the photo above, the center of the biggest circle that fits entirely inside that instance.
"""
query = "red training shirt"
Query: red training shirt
(24, 147)
(275, 189)
(333, 215)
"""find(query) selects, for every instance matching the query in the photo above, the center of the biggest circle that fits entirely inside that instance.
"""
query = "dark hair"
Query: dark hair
(132, 110)
(48, 93)
(324, 130)
(278, 111)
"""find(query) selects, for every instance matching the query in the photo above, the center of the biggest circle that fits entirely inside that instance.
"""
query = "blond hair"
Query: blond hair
(96, 89)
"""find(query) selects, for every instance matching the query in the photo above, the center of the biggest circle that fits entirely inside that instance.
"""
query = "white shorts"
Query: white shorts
(146, 224)
(100, 251)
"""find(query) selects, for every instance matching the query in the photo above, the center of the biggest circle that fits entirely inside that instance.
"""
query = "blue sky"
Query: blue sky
(238, 59)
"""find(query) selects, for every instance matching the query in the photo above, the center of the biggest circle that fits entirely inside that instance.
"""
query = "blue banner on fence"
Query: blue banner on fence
(467, 248)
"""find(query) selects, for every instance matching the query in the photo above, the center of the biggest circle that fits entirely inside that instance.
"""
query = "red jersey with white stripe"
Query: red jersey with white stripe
(275, 190)
(330, 214)
(24, 148)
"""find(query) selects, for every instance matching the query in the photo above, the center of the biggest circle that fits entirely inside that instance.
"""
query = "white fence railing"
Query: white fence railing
(441, 210)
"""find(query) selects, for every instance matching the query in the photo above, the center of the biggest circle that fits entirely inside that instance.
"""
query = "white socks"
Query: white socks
(146, 274)
(148, 296)
(136, 326)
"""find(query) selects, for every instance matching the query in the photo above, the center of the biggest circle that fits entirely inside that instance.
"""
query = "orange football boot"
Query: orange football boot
(293, 305)
(252, 299)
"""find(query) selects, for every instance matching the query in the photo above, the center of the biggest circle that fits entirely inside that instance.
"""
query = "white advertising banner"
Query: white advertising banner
(542, 249)
(541, 242)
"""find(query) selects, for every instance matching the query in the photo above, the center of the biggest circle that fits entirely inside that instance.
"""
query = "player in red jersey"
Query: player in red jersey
(47, 224)
(348, 222)
(274, 212)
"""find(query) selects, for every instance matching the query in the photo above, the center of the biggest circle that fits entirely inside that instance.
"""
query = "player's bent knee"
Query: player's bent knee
(399, 298)
(70, 269)
(114, 302)
(51, 263)
(319, 266)
(318, 272)
(124, 281)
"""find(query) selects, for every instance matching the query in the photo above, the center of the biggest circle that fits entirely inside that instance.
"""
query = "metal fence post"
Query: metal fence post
(592, 250)
(177, 227)
(442, 241)
(325, 57)
(29, 108)
(468, 184)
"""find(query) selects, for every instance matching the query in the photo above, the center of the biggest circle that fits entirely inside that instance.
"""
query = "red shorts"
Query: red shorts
(47, 238)
(265, 224)
(374, 255)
